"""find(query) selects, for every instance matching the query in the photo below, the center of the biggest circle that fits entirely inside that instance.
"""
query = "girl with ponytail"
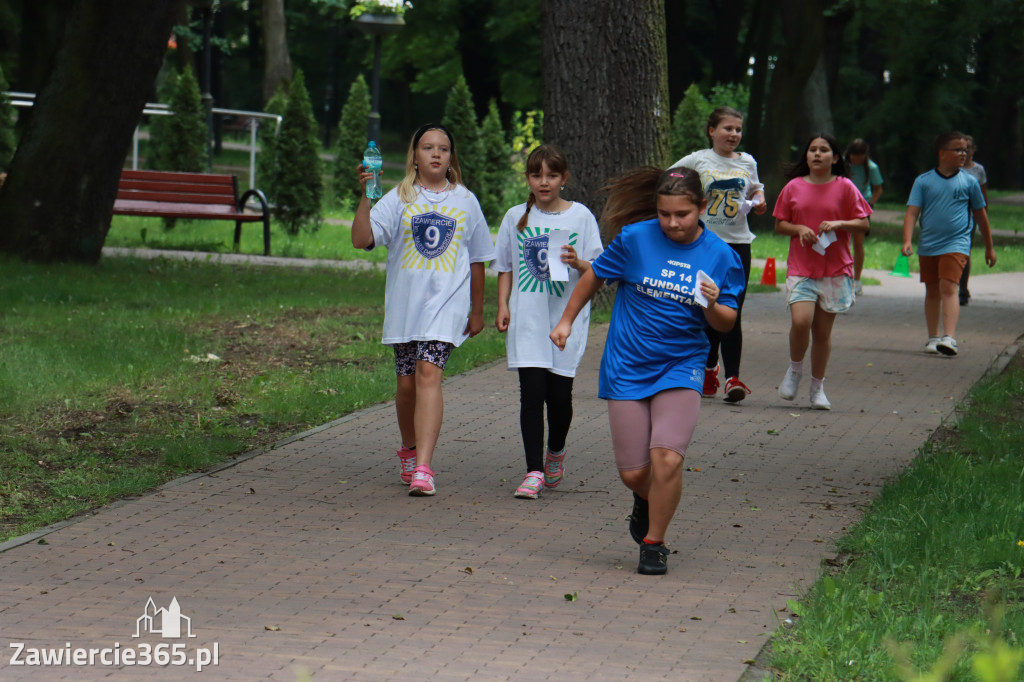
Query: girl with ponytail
(530, 302)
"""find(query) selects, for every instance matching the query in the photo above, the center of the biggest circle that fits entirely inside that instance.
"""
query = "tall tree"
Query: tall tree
(779, 99)
(607, 109)
(59, 195)
(277, 67)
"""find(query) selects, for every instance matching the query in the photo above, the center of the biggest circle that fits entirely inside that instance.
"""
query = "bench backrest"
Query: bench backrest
(185, 188)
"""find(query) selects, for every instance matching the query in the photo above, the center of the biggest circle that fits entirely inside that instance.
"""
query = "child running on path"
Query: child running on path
(438, 246)
(652, 371)
(945, 198)
(537, 301)
(732, 188)
(818, 204)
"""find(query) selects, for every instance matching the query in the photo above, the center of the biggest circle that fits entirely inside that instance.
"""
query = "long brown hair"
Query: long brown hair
(633, 195)
(800, 167)
(549, 154)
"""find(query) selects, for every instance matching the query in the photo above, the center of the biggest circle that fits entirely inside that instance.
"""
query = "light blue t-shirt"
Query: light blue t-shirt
(865, 181)
(947, 207)
(656, 340)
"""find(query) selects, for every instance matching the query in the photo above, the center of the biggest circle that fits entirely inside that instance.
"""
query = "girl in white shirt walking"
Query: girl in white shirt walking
(438, 246)
(530, 303)
(732, 188)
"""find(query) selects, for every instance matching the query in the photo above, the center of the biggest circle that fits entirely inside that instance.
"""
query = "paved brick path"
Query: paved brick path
(357, 581)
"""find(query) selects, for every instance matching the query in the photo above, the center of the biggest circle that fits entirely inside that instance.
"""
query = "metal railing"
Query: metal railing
(27, 99)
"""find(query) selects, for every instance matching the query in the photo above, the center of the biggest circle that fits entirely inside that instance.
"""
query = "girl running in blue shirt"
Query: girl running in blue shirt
(652, 371)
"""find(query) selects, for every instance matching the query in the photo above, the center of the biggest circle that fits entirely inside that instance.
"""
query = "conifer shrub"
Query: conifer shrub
(497, 168)
(178, 142)
(8, 142)
(460, 119)
(298, 185)
(348, 150)
(689, 123)
(266, 136)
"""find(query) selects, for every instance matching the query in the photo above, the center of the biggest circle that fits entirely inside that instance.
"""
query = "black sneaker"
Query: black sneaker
(653, 559)
(638, 519)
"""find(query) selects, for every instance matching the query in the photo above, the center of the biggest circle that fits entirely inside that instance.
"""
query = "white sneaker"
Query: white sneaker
(947, 346)
(818, 399)
(790, 384)
(933, 345)
(858, 288)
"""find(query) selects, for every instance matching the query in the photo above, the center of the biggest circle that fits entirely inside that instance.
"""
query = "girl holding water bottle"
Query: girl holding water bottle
(438, 245)
(530, 303)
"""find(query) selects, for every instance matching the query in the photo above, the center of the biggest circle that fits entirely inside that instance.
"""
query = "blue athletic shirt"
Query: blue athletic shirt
(656, 340)
(947, 211)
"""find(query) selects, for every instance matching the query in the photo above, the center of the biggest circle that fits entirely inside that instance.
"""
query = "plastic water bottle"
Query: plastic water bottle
(372, 162)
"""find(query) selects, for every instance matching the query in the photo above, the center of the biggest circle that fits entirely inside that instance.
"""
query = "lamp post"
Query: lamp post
(377, 26)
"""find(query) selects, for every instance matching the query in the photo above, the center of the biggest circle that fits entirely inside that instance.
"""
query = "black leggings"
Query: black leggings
(537, 387)
(731, 341)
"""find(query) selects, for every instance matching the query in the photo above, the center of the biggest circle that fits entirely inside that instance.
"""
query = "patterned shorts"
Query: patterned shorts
(408, 354)
(832, 294)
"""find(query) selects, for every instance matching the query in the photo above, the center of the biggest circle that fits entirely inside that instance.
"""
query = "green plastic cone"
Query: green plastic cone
(902, 268)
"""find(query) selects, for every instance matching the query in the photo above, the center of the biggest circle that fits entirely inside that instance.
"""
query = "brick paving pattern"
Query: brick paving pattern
(310, 561)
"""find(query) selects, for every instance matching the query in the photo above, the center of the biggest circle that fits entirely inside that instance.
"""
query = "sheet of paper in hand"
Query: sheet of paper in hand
(558, 271)
(698, 295)
(824, 240)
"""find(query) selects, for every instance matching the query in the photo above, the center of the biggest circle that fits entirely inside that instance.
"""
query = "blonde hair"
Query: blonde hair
(406, 188)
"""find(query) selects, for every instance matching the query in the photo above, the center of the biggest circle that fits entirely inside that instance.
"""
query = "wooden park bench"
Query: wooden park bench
(191, 196)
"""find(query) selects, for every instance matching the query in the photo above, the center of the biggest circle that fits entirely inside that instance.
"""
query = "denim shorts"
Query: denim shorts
(409, 353)
(832, 294)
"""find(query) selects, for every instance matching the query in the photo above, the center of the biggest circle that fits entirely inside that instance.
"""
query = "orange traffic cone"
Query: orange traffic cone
(768, 276)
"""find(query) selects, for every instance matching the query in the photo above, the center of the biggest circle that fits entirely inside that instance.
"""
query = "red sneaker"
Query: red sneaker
(710, 382)
(735, 390)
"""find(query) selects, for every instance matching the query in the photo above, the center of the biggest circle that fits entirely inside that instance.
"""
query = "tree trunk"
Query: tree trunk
(802, 43)
(605, 89)
(42, 25)
(816, 114)
(277, 67)
(59, 195)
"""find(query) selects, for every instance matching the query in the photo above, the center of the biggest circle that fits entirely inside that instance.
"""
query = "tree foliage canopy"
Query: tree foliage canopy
(850, 65)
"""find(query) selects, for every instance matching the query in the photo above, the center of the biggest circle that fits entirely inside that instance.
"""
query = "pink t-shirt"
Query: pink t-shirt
(805, 203)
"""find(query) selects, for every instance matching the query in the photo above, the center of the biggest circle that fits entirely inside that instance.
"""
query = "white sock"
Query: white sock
(797, 367)
(816, 384)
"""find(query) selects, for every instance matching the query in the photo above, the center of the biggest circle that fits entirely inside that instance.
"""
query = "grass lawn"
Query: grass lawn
(930, 585)
(122, 376)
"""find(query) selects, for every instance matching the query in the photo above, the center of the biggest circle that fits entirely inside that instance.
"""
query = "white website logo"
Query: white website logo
(164, 622)
(169, 623)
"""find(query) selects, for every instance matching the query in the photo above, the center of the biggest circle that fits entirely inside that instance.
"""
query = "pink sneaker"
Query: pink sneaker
(554, 468)
(407, 461)
(531, 486)
(422, 481)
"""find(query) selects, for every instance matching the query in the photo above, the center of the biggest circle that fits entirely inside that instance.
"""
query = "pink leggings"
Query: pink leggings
(665, 420)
